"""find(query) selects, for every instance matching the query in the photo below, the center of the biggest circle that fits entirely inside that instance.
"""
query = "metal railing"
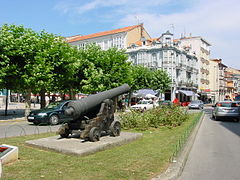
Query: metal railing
(183, 139)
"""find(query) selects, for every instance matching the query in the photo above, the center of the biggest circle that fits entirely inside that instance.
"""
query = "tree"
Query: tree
(33, 62)
(61, 61)
(17, 47)
(141, 77)
(160, 81)
(103, 70)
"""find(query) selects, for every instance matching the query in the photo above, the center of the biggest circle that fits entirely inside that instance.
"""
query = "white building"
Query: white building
(165, 53)
(201, 48)
(186, 59)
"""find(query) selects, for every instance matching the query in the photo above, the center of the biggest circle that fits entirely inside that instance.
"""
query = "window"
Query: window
(168, 40)
(188, 75)
(177, 73)
(118, 42)
(106, 45)
(154, 57)
(81, 46)
(134, 59)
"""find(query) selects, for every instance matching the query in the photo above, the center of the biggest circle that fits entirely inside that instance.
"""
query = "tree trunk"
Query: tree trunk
(129, 98)
(27, 103)
(72, 94)
(6, 107)
(62, 95)
(43, 98)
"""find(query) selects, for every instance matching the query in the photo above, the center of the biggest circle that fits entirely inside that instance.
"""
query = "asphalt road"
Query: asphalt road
(215, 154)
(20, 128)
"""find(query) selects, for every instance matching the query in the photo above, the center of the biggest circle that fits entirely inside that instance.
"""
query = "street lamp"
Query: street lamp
(172, 85)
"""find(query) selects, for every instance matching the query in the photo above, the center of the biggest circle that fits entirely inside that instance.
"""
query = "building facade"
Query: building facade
(119, 38)
(186, 60)
(201, 48)
(214, 80)
(217, 79)
(164, 53)
(232, 79)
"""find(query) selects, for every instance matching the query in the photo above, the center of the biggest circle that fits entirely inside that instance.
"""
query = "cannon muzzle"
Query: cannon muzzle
(79, 108)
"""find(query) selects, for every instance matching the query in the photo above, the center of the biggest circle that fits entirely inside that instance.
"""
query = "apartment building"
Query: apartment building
(232, 82)
(165, 53)
(119, 38)
(201, 48)
(187, 60)
(214, 80)
(217, 79)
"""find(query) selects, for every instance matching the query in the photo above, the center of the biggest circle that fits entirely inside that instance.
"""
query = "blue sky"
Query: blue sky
(216, 21)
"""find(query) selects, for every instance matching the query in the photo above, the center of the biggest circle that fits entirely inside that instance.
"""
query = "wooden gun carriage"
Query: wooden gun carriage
(94, 115)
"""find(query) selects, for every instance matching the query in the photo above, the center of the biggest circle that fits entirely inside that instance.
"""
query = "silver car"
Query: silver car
(226, 109)
(197, 104)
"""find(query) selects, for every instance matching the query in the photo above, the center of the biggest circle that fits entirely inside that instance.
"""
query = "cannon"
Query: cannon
(93, 116)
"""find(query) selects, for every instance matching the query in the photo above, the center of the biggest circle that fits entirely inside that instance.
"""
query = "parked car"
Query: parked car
(226, 109)
(143, 105)
(51, 114)
(196, 104)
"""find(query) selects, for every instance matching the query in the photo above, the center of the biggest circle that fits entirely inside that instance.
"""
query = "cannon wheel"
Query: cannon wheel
(115, 128)
(94, 134)
(64, 131)
(65, 134)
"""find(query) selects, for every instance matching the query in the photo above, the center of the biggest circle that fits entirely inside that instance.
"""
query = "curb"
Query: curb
(175, 169)
(13, 120)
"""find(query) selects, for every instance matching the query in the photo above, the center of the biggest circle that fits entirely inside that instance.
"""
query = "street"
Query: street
(15, 125)
(214, 155)
(19, 128)
(215, 152)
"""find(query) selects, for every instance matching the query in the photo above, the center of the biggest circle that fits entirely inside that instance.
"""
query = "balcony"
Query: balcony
(179, 65)
(182, 83)
(189, 69)
(166, 62)
(189, 84)
(204, 71)
(204, 61)
(205, 51)
(204, 81)
(195, 85)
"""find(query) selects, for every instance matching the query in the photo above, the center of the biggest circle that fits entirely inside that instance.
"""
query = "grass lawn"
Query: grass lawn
(142, 159)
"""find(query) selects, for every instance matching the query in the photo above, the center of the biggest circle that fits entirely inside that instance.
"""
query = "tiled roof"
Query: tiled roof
(125, 29)
(149, 41)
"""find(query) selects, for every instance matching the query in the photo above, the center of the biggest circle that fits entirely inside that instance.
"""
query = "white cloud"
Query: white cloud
(216, 21)
(81, 7)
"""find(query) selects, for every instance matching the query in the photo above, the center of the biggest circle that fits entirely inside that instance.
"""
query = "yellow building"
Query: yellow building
(232, 82)
(119, 38)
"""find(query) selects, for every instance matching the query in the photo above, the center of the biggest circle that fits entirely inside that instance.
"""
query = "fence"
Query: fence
(183, 139)
(27, 129)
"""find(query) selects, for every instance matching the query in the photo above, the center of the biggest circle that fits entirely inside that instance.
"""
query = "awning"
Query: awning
(188, 93)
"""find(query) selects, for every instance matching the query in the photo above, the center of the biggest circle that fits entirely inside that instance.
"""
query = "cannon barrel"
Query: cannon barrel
(78, 108)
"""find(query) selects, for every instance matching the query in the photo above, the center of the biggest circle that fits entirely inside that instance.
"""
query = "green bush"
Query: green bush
(171, 116)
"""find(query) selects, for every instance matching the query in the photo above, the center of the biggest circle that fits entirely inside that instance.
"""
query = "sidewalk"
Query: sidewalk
(15, 111)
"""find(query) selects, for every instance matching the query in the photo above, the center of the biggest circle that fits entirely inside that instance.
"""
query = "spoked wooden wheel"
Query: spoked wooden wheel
(115, 128)
(94, 134)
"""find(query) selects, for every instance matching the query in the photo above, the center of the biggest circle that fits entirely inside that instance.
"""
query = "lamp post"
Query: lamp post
(172, 85)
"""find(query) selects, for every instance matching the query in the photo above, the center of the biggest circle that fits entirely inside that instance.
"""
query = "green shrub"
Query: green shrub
(171, 116)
